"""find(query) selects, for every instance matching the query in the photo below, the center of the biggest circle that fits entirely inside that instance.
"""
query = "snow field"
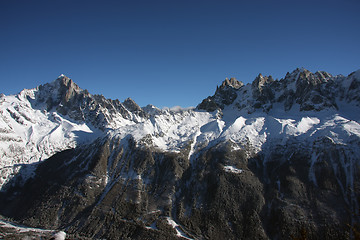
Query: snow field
(232, 169)
(30, 135)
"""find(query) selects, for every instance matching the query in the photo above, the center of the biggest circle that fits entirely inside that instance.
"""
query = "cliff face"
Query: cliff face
(114, 189)
(275, 159)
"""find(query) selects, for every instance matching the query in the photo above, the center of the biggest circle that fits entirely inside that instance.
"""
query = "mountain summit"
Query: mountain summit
(310, 91)
(272, 159)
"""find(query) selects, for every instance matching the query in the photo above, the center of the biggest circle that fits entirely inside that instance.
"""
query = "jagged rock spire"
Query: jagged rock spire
(261, 81)
(232, 83)
(131, 105)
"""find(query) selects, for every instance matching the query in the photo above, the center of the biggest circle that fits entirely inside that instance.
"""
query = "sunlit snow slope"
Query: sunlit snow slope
(29, 135)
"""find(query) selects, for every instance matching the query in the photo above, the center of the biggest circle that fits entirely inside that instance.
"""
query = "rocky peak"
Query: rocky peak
(151, 109)
(309, 78)
(261, 81)
(131, 105)
(303, 72)
(295, 75)
(324, 76)
(231, 83)
(63, 78)
(60, 91)
(224, 95)
(303, 77)
(68, 88)
(312, 91)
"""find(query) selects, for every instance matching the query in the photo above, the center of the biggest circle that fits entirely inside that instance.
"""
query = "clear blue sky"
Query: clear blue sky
(172, 52)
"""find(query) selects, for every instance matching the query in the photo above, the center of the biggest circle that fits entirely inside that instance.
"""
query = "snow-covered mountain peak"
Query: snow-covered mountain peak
(131, 105)
(151, 110)
(236, 112)
(96, 158)
(310, 91)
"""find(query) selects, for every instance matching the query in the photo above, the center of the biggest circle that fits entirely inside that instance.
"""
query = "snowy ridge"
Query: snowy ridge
(171, 132)
(298, 138)
(37, 123)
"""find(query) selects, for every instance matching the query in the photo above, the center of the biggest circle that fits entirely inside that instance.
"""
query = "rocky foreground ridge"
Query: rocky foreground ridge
(274, 159)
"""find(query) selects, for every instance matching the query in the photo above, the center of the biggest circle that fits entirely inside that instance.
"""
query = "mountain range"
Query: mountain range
(272, 159)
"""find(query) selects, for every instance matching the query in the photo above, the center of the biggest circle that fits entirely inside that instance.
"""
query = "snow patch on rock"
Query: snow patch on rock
(232, 169)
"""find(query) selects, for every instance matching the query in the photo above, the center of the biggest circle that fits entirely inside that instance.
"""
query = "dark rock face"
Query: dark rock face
(353, 92)
(224, 95)
(118, 189)
(132, 106)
